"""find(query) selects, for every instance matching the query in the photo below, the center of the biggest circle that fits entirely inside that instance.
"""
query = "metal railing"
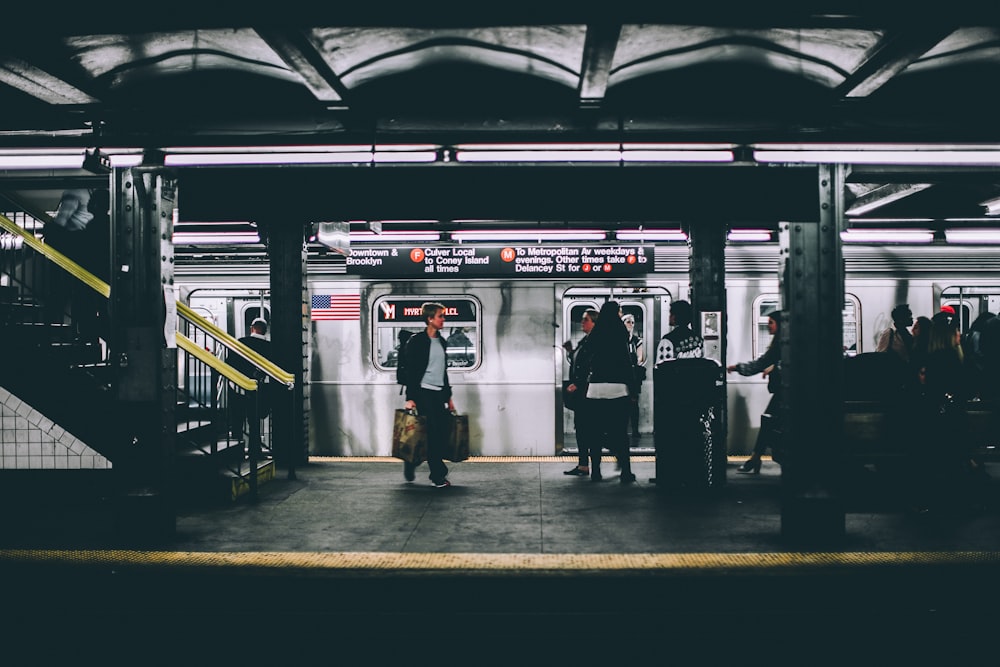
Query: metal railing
(219, 405)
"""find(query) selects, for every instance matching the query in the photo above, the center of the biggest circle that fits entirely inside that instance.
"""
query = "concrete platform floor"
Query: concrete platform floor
(517, 562)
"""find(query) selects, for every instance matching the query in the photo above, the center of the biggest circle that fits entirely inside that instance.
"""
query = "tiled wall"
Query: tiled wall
(29, 440)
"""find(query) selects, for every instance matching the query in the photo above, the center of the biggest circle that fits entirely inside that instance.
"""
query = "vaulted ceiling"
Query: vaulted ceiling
(107, 75)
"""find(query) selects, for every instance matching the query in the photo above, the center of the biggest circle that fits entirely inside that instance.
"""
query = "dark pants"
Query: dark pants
(766, 434)
(434, 407)
(243, 410)
(587, 436)
(611, 428)
(634, 415)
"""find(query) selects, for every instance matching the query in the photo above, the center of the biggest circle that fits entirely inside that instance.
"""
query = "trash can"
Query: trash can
(687, 408)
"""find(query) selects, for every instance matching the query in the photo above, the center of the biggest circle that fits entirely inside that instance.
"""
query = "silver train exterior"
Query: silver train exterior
(508, 378)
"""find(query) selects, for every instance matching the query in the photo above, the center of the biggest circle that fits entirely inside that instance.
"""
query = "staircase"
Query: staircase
(67, 378)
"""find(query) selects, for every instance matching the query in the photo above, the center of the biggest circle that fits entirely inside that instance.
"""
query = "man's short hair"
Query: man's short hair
(681, 310)
(902, 313)
(259, 324)
(430, 309)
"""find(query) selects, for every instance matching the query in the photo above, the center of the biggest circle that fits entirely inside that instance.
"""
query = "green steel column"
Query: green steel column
(143, 350)
(812, 287)
(290, 336)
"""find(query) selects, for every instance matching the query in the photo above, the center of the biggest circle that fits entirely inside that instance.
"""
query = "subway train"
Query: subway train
(506, 332)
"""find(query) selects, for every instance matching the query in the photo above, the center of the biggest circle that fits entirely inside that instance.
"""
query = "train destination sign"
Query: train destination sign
(502, 261)
(410, 311)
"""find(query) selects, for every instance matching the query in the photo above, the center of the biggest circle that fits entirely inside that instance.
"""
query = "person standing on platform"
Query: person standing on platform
(429, 391)
(608, 400)
(769, 364)
(898, 337)
(637, 351)
(576, 395)
(250, 409)
(681, 342)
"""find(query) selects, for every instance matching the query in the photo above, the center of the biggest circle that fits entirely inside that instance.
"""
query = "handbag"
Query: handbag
(409, 436)
(458, 438)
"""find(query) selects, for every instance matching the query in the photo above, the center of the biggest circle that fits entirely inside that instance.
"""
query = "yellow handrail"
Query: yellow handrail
(102, 288)
(61, 260)
(276, 372)
(207, 357)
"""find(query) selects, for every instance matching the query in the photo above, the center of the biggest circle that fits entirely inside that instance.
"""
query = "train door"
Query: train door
(646, 306)
(248, 308)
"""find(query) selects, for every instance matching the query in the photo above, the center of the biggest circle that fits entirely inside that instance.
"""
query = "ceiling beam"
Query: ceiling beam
(301, 56)
(885, 194)
(891, 55)
(598, 54)
(41, 84)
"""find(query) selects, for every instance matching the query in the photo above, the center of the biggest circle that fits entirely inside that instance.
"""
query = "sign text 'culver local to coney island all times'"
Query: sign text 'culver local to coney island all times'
(501, 261)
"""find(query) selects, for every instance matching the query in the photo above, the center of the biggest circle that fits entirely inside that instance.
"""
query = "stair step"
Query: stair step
(189, 426)
(222, 446)
(240, 482)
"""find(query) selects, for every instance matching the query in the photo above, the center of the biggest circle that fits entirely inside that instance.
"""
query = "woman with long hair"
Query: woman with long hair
(769, 364)
(608, 402)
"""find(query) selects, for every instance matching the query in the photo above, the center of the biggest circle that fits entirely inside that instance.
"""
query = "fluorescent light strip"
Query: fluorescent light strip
(972, 235)
(125, 160)
(522, 235)
(387, 237)
(538, 156)
(750, 235)
(650, 155)
(208, 238)
(886, 236)
(915, 157)
(62, 158)
(677, 156)
(214, 159)
(651, 235)
(42, 161)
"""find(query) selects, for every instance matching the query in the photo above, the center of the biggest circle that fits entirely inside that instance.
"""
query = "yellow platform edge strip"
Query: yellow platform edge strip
(521, 564)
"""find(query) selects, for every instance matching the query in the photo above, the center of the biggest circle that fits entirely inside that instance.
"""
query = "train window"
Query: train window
(763, 306)
(252, 312)
(638, 314)
(852, 325)
(971, 303)
(768, 303)
(576, 312)
(394, 315)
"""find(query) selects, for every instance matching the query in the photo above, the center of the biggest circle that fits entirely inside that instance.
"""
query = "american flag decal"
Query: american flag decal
(335, 307)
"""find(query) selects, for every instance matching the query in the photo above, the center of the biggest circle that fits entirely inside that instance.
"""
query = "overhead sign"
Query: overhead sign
(502, 261)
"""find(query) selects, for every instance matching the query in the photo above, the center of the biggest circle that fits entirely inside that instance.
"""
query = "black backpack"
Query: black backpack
(401, 370)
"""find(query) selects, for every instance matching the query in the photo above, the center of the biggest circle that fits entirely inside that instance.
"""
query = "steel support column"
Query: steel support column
(812, 287)
(143, 350)
(707, 271)
(290, 336)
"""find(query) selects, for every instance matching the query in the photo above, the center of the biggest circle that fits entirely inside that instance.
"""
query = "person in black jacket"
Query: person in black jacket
(429, 391)
(576, 394)
(769, 364)
(610, 378)
(250, 409)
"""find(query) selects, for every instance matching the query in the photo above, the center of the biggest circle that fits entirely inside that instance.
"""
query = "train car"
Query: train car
(507, 361)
